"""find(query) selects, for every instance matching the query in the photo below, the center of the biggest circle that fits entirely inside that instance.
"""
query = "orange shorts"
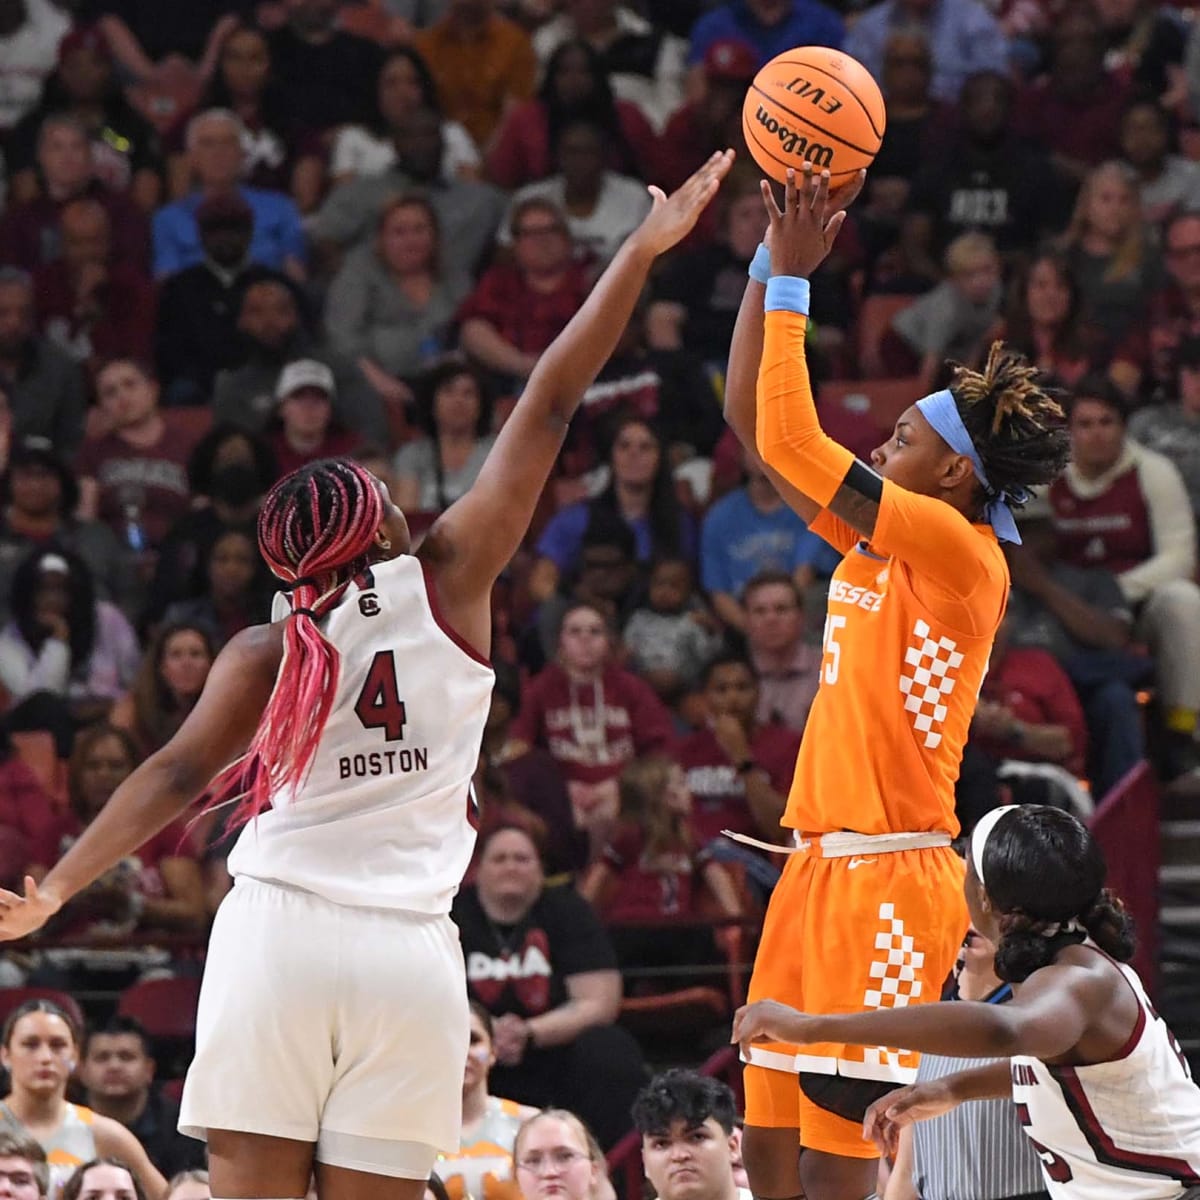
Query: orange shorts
(843, 935)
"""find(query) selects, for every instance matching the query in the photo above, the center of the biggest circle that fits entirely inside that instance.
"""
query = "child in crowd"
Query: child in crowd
(673, 636)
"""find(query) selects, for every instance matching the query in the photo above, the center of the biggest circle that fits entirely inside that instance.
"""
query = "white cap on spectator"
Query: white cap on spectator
(304, 373)
(53, 564)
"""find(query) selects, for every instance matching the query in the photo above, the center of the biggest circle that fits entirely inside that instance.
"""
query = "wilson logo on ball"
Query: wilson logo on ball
(791, 142)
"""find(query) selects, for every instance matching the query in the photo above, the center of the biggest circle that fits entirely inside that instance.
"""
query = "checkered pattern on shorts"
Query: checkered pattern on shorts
(894, 979)
(927, 678)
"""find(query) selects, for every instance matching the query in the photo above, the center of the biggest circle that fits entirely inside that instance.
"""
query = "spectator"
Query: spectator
(28, 820)
(1124, 508)
(277, 155)
(644, 62)
(1073, 112)
(574, 85)
(958, 317)
(697, 297)
(601, 207)
(117, 1071)
(671, 638)
(90, 303)
(155, 888)
(963, 38)
(770, 26)
(1145, 46)
(272, 333)
(40, 1044)
(483, 1165)
(433, 471)
(218, 159)
(405, 84)
(304, 428)
(788, 668)
(1167, 182)
(1173, 429)
(650, 873)
(667, 387)
(739, 769)
(327, 75)
(1028, 713)
(134, 477)
(237, 593)
(23, 1167)
(483, 64)
(521, 305)
(593, 716)
(540, 962)
(689, 1140)
(749, 531)
(30, 233)
(1044, 321)
(985, 178)
(228, 474)
(31, 32)
(1078, 615)
(103, 1177)
(189, 1185)
(39, 497)
(65, 657)
(196, 332)
(43, 386)
(468, 212)
(524, 780)
(391, 305)
(640, 490)
(1111, 252)
(126, 156)
(167, 685)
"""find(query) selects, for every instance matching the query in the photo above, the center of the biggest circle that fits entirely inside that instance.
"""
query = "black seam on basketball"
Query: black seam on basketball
(769, 150)
(791, 62)
(812, 124)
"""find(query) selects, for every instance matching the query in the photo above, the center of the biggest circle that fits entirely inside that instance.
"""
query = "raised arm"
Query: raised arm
(474, 539)
(215, 733)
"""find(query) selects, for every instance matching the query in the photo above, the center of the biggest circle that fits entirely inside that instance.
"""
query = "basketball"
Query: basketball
(813, 105)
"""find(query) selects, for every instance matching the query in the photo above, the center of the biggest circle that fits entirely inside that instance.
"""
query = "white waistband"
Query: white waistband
(844, 844)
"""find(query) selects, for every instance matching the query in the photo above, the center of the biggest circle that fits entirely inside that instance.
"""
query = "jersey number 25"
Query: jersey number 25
(379, 705)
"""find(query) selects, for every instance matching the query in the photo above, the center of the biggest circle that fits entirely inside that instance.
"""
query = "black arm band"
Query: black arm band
(863, 480)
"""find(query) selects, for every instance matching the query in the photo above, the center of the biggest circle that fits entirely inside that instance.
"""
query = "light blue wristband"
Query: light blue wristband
(787, 292)
(760, 265)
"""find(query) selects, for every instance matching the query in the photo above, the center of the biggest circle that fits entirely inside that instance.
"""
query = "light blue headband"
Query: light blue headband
(941, 411)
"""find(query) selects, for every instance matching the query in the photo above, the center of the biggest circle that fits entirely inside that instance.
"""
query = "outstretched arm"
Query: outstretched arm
(215, 733)
(1045, 1021)
(474, 539)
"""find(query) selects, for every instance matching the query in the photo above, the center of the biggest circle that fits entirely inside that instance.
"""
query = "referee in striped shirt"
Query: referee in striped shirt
(976, 1151)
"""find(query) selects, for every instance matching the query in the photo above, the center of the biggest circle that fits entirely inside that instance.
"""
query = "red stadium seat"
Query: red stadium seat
(12, 998)
(882, 399)
(874, 321)
(166, 1008)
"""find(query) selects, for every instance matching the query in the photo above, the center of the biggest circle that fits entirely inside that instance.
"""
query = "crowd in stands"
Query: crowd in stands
(237, 236)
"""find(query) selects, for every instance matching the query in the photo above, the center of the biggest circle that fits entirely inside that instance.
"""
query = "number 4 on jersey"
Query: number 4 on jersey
(379, 705)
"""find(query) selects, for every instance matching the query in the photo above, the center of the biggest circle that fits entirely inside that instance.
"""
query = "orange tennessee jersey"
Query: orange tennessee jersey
(909, 630)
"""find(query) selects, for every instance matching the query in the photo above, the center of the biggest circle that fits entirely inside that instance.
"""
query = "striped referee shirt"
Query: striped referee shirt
(977, 1151)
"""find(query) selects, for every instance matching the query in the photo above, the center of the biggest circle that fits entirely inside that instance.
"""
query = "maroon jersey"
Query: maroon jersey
(649, 888)
(719, 792)
(1111, 530)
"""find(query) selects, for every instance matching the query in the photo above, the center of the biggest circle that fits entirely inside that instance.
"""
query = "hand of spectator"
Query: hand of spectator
(731, 737)
(511, 1037)
(272, 14)
(672, 218)
(391, 390)
(54, 623)
(91, 277)
(992, 720)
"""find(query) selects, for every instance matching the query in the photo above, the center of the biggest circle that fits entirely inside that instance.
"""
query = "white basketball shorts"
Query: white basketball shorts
(346, 1027)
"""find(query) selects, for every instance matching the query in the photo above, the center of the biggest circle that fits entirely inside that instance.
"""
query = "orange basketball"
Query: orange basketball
(813, 105)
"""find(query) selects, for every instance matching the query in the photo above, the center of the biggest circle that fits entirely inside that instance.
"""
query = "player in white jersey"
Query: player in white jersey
(333, 1016)
(1100, 1084)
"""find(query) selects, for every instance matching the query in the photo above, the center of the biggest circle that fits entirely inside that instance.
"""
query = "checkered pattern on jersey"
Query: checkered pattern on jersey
(894, 979)
(927, 679)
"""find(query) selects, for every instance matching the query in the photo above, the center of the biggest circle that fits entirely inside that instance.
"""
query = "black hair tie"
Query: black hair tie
(304, 612)
(303, 581)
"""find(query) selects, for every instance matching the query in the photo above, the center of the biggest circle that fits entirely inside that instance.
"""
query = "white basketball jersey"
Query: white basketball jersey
(382, 819)
(1122, 1130)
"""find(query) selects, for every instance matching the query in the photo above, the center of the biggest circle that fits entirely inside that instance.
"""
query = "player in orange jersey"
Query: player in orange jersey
(869, 912)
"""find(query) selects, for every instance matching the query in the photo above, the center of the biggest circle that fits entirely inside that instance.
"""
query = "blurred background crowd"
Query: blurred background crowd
(237, 236)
